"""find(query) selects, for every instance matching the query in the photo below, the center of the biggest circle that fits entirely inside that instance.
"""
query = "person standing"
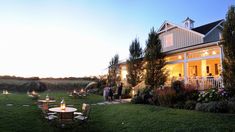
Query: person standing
(106, 92)
(120, 91)
(110, 94)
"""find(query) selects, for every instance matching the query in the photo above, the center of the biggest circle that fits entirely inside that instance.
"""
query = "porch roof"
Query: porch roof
(191, 47)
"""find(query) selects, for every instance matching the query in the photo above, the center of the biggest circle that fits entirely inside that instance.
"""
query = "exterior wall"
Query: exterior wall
(123, 73)
(181, 38)
(213, 35)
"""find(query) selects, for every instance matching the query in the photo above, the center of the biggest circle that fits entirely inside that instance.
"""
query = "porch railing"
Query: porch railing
(205, 83)
(202, 83)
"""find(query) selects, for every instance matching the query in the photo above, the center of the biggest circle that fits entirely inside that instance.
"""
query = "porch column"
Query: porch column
(221, 57)
(203, 68)
(185, 68)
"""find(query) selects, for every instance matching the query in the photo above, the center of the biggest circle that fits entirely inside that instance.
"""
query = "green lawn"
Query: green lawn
(122, 117)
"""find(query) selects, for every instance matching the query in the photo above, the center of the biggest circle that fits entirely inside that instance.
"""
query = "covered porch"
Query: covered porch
(201, 68)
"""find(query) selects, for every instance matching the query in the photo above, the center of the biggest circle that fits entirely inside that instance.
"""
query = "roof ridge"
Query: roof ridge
(209, 23)
(204, 29)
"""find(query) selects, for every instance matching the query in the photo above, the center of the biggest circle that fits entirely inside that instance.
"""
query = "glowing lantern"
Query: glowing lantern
(6, 92)
(62, 105)
(82, 90)
(33, 92)
(74, 91)
(47, 98)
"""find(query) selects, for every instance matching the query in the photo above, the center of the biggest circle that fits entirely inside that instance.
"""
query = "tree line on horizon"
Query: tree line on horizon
(48, 78)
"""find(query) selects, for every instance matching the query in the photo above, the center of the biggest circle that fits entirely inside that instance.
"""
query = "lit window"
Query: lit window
(168, 39)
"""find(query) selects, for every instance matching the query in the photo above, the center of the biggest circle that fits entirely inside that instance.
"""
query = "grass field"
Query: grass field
(121, 117)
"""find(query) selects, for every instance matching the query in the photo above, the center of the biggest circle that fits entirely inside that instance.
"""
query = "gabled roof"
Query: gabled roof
(201, 30)
(161, 29)
(204, 29)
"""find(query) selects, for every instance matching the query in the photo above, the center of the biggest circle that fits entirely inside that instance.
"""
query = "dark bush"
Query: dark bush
(165, 96)
(177, 86)
(190, 104)
(126, 92)
(222, 106)
(145, 96)
(179, 105)
(137, 100)
(34, 85)
(231, 106)
(213, 106)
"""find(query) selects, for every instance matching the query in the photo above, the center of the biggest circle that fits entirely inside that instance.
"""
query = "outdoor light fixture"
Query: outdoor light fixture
(213, 52)
(179, 57)
(33, 92)
(205, 53)
(133, 92)
(62, 105)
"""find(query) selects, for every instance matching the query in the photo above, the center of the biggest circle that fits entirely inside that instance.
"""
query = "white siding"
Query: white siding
(181, 38)
(213, 35)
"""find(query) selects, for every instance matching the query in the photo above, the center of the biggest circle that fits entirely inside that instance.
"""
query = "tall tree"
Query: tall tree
(135, 63)
(113, 70)
(229, 50)
(155, 71)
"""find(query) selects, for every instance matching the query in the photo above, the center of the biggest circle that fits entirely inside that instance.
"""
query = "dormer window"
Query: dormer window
(168, 40)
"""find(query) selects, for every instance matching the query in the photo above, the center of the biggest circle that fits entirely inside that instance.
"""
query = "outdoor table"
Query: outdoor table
(6, 94)
(67, 114)
(45, 103)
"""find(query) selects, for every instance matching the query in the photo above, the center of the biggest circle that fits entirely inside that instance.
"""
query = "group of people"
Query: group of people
(209, 76)
(108, 92)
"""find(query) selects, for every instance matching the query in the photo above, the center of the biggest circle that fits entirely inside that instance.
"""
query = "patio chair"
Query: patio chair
(51, 117)
(84, 115)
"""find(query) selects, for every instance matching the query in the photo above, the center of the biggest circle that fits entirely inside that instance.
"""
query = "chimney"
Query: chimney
(188, 23)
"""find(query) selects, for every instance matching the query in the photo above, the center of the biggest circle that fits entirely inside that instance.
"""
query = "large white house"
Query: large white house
(192, 52)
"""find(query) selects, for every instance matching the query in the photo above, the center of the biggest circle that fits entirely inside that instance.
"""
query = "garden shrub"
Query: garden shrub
(200, 107)
(187, 92)
(222, 106)
(146, 96)
(213, 106)
(213, 94)
(191, 92)
(165, 96)
(137, 100)
(177, 86)
(231, 106)
(190, 104)
(33, 85)
(126, 92)
(179, 105)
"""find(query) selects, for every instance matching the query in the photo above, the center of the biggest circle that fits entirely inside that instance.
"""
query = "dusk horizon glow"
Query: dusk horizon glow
(59, 38)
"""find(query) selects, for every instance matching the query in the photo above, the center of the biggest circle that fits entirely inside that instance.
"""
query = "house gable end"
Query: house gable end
(173, 36)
